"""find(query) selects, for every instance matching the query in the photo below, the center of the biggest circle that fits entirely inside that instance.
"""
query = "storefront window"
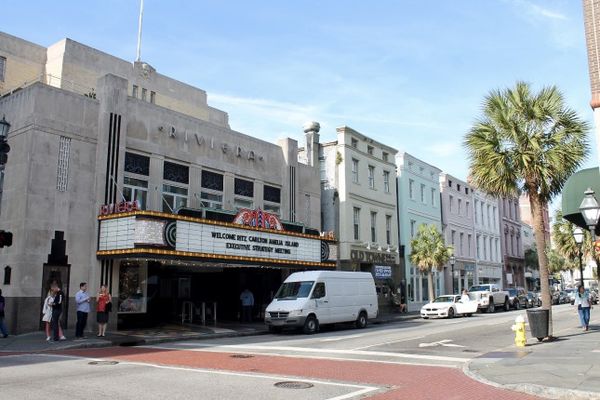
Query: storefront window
(132, 287)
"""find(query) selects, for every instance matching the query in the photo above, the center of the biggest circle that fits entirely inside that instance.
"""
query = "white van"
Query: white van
(312, 298)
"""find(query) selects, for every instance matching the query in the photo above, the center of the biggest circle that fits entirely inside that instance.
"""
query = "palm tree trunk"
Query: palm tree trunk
(430, 285)
(540, 241)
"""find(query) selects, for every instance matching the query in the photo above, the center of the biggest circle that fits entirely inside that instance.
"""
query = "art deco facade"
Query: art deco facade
(122, 176)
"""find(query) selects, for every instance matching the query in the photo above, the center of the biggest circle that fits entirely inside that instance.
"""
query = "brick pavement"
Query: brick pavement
(404, 381)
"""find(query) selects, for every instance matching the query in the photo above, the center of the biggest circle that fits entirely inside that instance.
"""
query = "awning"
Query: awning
(572, 194)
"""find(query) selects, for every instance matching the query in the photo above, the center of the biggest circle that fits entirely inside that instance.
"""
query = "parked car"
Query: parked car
(312, 298)
(571, 294)
(533, 300)
(563, 297)
(556, 297)
(448, 306)
(517, 298)
(489, 296)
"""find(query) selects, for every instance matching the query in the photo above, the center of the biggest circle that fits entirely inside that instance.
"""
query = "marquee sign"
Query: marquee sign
(115, 208)
(258, 218)
(191, 237)
(204, 238)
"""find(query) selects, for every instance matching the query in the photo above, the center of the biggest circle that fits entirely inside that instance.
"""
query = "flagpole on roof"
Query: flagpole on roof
(139, 41)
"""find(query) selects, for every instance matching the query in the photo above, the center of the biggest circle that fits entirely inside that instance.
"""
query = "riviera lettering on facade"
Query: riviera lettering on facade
(201, 141)
(115, 208)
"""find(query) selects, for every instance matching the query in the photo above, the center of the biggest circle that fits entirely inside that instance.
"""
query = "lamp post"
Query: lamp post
(578, 236)
(590, 210)
(452, 261)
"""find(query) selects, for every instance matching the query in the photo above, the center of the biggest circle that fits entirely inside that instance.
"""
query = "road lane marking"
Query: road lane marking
(344, 352)
(335, 339)
(444, 343)
(390, 342)
(315, 357)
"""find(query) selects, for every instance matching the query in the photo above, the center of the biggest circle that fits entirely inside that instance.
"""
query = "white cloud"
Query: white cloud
(444, 149)
(544, 12)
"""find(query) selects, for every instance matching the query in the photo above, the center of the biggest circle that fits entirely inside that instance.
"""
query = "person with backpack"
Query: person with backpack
(3, 329)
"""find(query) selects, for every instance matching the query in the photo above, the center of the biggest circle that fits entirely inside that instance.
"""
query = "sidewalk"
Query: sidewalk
(567, 368)
(36, 341)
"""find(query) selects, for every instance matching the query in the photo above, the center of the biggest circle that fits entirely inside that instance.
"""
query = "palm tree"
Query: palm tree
(429, 251)
(529, 143)
(562, 235)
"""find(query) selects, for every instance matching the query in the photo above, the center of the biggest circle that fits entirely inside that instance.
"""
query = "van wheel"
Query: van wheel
(361, 321)
(311, 325)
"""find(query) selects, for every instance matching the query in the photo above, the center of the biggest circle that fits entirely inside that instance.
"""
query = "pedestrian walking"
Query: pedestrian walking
(582, 301)
(82, 298)
(57, 308)
(247, 299)
(3, 329)
(104, 306)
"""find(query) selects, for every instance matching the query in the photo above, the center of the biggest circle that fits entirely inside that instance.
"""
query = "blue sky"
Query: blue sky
(410, 74)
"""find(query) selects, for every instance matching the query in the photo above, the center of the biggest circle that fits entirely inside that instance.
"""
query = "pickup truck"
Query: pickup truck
(489, 297)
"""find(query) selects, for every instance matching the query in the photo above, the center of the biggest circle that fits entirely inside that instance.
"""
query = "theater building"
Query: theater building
(119, 175)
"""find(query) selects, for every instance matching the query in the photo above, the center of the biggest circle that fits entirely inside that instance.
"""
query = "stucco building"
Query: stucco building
(419, 204)
(512, 242)
(488, 252)
(358, 203)
(122, 176)
(459, 230)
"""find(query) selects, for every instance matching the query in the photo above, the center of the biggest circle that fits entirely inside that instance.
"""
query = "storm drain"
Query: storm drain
(293, 385)
(103, 362)
(241, 356)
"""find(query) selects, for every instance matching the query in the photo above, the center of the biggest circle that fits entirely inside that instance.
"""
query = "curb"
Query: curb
(547, 392)
(126, 341)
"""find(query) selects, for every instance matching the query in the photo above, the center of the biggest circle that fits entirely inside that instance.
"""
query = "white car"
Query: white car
(448, 306)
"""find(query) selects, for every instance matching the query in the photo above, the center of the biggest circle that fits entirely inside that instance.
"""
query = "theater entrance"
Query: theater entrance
(195, 294)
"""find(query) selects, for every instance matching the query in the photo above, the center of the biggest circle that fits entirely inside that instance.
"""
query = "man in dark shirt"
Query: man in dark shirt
(2, 325)
(57, 307)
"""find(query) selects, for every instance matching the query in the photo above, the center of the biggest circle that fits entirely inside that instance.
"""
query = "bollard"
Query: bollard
(519, 329)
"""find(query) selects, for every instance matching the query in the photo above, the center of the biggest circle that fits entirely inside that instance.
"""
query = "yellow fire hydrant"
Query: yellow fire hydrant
(519, 329)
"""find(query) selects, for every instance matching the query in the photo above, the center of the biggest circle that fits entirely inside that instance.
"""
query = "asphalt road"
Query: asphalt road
(418, 359)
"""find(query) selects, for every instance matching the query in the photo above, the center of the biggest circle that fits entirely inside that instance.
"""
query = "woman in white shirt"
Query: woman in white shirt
(47, 313)
(582, 301)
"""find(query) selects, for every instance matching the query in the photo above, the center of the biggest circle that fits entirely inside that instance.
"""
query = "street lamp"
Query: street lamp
(578, 235)
(590, 210)
(452, 261)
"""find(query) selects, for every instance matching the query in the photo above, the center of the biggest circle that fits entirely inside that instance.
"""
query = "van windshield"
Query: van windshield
(294, 290)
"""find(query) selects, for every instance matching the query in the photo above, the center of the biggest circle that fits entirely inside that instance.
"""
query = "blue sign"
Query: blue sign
(383, 271)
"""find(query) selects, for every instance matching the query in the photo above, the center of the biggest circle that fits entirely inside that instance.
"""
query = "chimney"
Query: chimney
(311, 129)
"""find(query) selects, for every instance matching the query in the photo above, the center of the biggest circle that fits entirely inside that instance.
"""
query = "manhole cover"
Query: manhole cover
(293, 385)
(241, 356)
(103, 362)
